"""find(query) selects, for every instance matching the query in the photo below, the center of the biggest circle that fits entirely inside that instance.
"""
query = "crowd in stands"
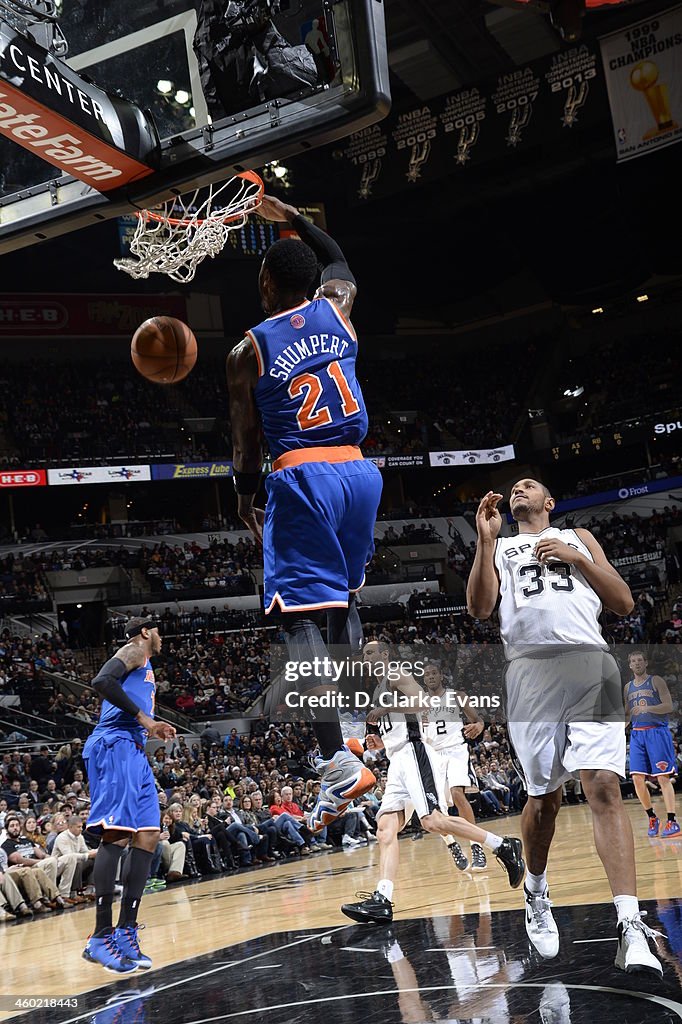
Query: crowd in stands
(24, 662)
(21, 584)
(58, 415)
(625, 378)
(223, 566)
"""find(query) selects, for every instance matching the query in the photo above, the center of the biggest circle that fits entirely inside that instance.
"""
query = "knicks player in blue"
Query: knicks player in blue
(648, 704)
(125, 806)
(293, 380)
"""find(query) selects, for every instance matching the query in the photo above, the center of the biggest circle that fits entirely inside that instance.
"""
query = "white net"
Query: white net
(176, 236)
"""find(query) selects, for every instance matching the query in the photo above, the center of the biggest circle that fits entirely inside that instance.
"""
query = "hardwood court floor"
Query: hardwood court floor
(191, 921)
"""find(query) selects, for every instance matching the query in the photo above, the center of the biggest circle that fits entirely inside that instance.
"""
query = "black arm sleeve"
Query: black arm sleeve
(328, 252)
(107, 683)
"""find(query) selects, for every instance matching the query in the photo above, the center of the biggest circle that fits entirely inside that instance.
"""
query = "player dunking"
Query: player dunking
(447, 734)
(648, 704)
(416, 782)
(552, 584)
(293, 379)
(125, 805)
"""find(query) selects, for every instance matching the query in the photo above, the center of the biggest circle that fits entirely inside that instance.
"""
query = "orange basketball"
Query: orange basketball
(163, 350)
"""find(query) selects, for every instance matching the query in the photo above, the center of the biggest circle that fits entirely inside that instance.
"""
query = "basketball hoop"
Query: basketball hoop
(176, 236)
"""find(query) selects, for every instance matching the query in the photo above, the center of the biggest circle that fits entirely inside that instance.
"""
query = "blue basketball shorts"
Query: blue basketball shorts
(318, 534)
(122, 787)
(652, 752)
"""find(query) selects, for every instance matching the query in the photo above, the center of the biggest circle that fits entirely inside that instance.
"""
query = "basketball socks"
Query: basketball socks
(385, 887)
(650, 812)
(104, 878)
(305, 643)
(626, 907)
(671, 816)
(329, 737)
(492, 841)
(135, 875)
(536, 884)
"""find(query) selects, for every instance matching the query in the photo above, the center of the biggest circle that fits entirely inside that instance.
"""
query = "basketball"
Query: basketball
(163, 350)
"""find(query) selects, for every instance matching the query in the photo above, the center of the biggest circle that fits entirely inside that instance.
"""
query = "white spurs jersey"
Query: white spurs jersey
(541, 605)
(397, 731)
(443, 722)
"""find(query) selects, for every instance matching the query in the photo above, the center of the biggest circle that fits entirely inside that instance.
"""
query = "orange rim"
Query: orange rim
(250, 204)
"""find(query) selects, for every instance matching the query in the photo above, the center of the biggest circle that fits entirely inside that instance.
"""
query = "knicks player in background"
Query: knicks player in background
(125, 806)
(552, 584)
(648, 704)
(293, 380)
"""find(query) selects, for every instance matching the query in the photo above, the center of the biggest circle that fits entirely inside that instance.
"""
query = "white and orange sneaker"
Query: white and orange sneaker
(344, 778)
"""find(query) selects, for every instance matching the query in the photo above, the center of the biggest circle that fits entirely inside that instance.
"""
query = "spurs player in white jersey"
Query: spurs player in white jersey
(416, 782)
(447, 734)
(551, 585)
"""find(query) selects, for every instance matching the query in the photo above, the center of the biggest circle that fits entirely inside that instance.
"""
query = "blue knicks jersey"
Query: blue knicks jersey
(644, 693)
(307, 392)
(140, 686)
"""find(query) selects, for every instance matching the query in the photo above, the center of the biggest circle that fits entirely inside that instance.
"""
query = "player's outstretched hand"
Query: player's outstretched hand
(161, 731)
(473, 729)
(272, 208)
(488, 518)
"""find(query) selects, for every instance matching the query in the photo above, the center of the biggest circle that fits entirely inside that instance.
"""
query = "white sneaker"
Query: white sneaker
(540, 925)
(349, 842)
(633, 953)
(370, 837)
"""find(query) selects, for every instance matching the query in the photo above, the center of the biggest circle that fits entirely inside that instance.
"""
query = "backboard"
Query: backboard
(230, 85)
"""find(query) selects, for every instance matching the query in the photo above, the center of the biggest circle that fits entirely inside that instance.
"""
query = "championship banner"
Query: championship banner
(533, 106)
(643, 70)
(475, 457)
(98, 475)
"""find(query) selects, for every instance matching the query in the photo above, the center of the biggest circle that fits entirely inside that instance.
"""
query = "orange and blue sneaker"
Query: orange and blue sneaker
(671, 829)
(344, 778)
(654, 824)
(126, 940)
(104, 951)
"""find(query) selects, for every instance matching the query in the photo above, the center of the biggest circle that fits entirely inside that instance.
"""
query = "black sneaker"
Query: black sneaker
(458, 856)
(372, 909)
(510, 855)
(479, 861)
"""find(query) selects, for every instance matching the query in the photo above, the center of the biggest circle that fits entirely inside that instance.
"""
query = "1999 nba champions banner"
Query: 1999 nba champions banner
(643, 71)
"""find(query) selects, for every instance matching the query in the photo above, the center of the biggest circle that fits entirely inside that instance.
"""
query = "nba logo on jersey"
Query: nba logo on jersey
(149, 678)
(297, 321)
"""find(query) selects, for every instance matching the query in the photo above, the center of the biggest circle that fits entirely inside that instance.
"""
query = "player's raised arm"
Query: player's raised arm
(337, 281)
(247, 446)
(483, 585)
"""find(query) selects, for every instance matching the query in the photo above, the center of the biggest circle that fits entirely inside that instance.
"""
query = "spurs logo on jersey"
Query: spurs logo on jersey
(443, 724)
(544, 604)
(396, 731)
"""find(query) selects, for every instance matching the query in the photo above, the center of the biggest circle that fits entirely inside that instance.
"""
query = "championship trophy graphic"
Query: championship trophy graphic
(644, 78)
